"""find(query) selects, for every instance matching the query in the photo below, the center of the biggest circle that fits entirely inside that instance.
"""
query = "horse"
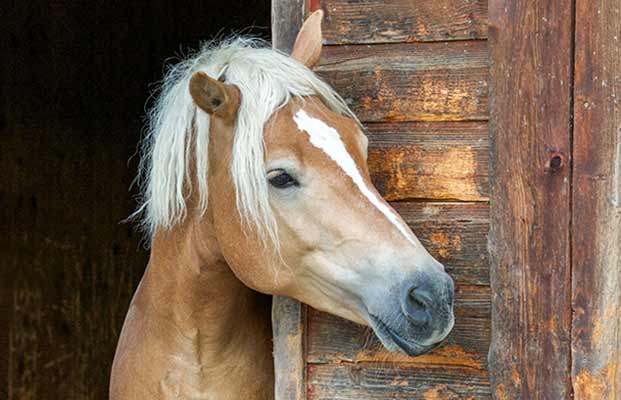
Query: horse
(255, 183)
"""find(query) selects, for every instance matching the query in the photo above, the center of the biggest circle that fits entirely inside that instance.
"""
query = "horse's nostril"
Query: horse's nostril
(417, 305)
(420, 297)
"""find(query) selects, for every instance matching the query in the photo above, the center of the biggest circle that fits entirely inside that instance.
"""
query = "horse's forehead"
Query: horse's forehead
(283, 134)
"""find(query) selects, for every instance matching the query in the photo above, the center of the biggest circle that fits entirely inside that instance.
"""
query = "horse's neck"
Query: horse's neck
(193, 329)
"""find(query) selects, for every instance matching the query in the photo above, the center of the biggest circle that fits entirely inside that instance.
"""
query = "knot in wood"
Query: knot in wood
(555, 162)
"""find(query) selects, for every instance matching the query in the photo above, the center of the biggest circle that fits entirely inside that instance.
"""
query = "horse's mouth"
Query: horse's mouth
(394, 342)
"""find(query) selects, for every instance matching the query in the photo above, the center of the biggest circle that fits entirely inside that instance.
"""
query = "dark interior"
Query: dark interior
(75, 79)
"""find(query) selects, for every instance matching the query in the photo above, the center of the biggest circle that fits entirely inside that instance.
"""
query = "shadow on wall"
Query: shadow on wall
(71, 111)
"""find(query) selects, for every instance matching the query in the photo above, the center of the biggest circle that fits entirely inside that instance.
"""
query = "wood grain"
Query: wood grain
(377, 381)
(430, 160)
(530, 81)
(596, 283)
(394, 21)
(410, 82)
(454, 233)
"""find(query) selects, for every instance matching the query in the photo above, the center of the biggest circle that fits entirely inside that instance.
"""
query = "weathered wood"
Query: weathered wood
(331, 339)
(454, 233)
(287, 19)
(596, 250)
(530, 81)
(288, 322)
(288, 315)
(410, 82)
(430, 160)
(472, 301)
(373, 381)
(377, 21)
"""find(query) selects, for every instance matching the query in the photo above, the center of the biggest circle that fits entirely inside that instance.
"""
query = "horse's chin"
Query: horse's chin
(395, 342)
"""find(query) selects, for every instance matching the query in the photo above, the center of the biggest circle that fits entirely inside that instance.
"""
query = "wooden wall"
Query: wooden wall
(555, 240)
(416, 74)
(74, 79)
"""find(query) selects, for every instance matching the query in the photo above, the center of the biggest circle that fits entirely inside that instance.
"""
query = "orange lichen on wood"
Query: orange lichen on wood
(588, 386)
(441, 392)
(445, 243)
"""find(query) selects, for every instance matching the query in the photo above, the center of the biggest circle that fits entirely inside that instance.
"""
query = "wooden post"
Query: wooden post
(288, 315)
(287, 19)
(530, 44)
(288, 320)
(596, 280)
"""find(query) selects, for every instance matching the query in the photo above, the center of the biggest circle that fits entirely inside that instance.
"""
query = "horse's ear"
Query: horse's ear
(213, 96)
(307, 47)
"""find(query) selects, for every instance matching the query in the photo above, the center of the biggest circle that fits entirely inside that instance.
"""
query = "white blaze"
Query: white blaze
(329, 141)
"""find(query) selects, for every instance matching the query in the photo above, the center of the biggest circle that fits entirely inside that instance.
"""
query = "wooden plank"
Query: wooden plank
(596, 280)
(287, 19)
(288, 321)
(530, 57)
(410, 82)
(394, 21)
(371, 381)
(288, 315)
(454, 233)
(331, 339)
(437, 160)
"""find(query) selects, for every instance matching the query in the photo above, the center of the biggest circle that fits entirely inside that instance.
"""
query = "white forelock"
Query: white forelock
(267, 80)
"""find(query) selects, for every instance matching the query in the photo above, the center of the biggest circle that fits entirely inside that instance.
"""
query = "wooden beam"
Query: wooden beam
(596, 297)
(288, 315)
(530, 44)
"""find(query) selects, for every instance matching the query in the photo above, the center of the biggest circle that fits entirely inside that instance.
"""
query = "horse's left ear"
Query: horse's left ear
(213, 96)
(307, 47)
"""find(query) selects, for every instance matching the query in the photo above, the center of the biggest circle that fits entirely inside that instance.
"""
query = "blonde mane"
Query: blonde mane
(267, 80)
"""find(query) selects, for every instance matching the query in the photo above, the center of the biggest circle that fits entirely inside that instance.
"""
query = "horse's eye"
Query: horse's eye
(280, 179)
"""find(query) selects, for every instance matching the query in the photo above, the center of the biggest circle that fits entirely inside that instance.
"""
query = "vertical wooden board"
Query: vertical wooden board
(596, 295)
(393, 21)
(530, 49)
(288, 321)
(287, 19)
(288, 315)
